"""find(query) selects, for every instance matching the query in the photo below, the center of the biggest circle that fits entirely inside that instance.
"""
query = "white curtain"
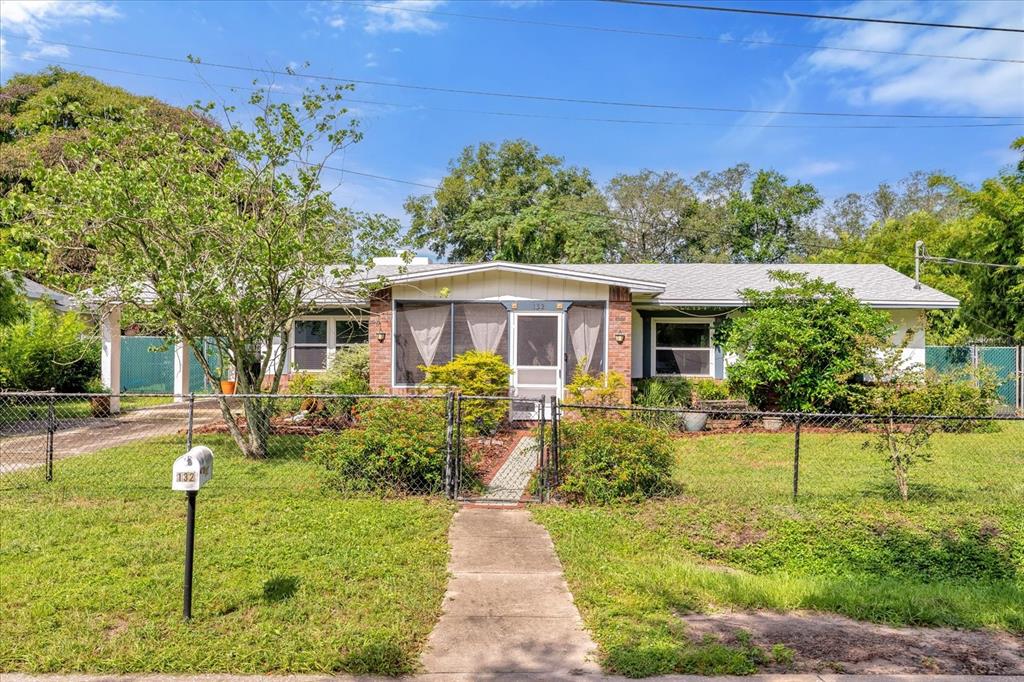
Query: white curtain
(585, 325)
(426, 325)
(486, 322)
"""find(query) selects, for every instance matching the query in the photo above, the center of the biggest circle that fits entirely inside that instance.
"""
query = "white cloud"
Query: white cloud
(951, 86)
(31, 19)
(370, 60)
(336, 22)
(390, 17)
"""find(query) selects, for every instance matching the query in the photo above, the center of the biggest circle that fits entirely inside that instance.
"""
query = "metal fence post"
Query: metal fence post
(796, 457)
(51, 427)
(541, 483)
(449, 419)
(191, 417)
(457, 469)
(556, 446)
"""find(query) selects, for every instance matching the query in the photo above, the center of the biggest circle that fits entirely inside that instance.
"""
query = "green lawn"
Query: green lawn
(953, 555)
(67, 408)
(289, 578)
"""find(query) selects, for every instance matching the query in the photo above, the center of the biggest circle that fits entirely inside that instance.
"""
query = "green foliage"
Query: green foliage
(605, 459)
(48, 350)
(711, 389)
(216, 224)
(993, 232)
(475, 373)
(665, 392)
(397, 447)
(606, 388)
(772, 221)
(511, 202)
(12, 303)
(347, 374)
(802, 344)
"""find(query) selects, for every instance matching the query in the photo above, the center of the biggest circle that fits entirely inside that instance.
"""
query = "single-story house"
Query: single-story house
(639, 320)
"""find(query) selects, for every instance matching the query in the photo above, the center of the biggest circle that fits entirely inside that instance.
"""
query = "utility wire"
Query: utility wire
(531, 115)
(519, 96)
(961, 261)
(680, 36)
(805, 15)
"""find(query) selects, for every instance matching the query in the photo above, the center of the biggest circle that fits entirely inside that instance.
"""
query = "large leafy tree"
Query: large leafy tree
(803, 343)
(40, 115)
(992, 231)
(659, 218)
(771, 222)
(511, 202)
(220, 231)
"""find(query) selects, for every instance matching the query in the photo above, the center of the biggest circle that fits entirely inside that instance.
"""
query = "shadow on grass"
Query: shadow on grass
(918, 492)
(280, 588)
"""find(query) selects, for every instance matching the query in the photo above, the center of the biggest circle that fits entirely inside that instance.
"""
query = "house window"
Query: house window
(316, 340)
(433, 333)
(310, 345)
(350, 332)
(682, 348)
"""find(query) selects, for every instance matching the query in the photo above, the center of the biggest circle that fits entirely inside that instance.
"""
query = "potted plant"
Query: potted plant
(227, 380)
(771, 423)
(704, 391)
(99, 399)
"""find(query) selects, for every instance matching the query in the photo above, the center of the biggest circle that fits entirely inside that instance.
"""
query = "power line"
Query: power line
(961, 261)
(682, 36)
(531, 115)
(805, 15)
(523, 96)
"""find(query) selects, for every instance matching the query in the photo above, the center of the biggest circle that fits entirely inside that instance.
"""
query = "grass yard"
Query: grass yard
(66, 408)
(953, 555)
(289, 578)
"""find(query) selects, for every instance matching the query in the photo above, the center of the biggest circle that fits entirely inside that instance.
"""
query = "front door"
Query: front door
(537, 351)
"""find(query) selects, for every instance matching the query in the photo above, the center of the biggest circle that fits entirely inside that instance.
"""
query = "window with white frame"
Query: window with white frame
(315, 340)
(682, 348)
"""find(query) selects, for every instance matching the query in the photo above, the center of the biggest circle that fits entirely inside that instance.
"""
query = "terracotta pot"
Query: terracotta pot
(99, 405)
(227, 387)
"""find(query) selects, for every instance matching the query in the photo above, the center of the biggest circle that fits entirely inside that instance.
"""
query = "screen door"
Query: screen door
(536, 359)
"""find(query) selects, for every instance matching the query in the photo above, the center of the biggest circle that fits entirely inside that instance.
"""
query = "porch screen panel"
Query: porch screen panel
(422, 334)
(483, 327)
(586, 337)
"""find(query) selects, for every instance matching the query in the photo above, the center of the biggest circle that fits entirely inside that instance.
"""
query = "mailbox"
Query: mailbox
(192, 470)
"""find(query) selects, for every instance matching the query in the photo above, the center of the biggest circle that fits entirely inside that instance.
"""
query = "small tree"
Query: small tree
(223, 231)
(802, 343)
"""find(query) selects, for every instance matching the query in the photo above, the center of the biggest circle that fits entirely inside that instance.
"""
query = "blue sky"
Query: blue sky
(380, 41)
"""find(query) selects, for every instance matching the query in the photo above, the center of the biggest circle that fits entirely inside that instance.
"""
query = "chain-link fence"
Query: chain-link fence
(754, 457)
(498, 449)
(1006, 364)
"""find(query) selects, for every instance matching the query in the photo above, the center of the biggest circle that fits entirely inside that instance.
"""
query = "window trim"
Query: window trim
(704, 321)
(332, 345)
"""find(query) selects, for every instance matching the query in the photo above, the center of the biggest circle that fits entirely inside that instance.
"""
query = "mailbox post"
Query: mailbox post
(190, 472)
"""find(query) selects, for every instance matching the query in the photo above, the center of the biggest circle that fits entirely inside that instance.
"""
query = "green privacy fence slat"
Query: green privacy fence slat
(1002, 360)
(147, 366)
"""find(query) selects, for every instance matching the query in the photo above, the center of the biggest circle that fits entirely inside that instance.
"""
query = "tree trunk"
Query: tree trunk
(257, 437)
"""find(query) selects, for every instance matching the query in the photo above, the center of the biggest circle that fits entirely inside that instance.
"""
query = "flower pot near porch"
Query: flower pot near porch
(99, 406)
(227, 387)
(695, 421)
(771, 423)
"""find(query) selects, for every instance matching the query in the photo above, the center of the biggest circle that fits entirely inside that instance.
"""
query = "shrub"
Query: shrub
(397, 446)
(665, 392)
(348, 374)
(476, 373)
(606, 459)
(47, 350)
(607, 388)
(711, 389)
(803, 344)
(659, 394)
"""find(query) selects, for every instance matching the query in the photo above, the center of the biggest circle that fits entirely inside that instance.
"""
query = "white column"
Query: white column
(110, 358)
(182, 355)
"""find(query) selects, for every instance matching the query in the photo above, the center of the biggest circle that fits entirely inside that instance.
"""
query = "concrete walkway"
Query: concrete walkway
(507, 611)
(510, 481)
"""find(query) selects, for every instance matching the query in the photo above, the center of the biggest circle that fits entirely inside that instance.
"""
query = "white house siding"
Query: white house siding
(910, 321)
(638, 344)
(500, 286)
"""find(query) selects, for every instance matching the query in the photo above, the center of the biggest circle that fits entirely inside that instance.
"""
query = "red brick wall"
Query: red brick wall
(620, 320)
(380, 353)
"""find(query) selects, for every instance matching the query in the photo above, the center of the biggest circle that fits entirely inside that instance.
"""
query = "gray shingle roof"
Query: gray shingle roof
(720, 283)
